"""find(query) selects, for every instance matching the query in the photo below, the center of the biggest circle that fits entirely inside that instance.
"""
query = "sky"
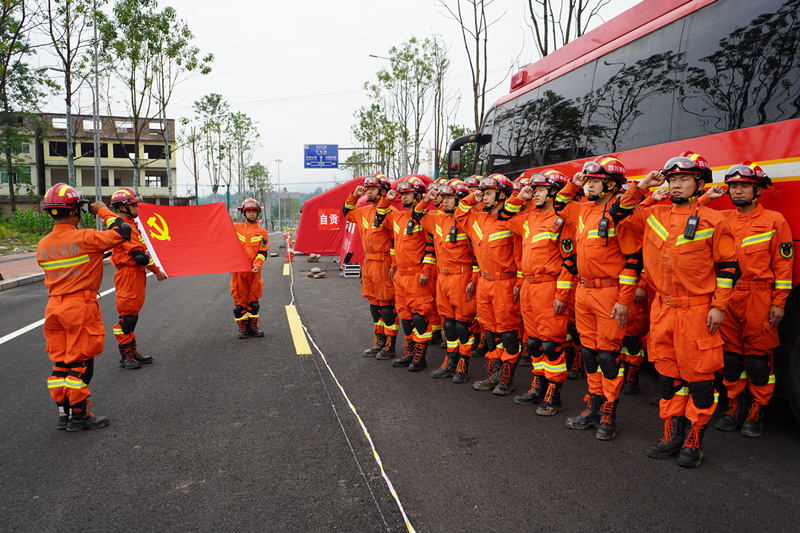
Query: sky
(297, 69)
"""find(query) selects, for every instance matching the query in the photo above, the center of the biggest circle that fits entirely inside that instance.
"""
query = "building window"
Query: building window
(59, 149)
(25, 177)
(60, 123)
(88, 125)
(124, 151)
(152, 181)
(87, 150)
(153, 151)
(124, 126)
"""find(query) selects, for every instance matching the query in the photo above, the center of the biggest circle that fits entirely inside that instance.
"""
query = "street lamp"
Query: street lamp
(279, 161)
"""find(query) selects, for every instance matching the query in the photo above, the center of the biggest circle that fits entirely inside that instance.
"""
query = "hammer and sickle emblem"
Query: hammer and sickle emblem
(158, 232)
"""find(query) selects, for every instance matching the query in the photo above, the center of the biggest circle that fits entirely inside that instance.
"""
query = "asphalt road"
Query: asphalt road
(221, 434)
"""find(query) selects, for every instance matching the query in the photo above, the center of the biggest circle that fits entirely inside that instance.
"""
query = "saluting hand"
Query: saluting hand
(653, 179)
(526, 193)
(717, 191)
(660, 194)
(431, 196)
(579, 179)
(360, 190)
(391, 195)
(478, 195)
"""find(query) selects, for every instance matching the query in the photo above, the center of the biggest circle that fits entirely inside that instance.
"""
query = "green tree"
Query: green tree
(212, 113)
(378, 135)
(21, 87)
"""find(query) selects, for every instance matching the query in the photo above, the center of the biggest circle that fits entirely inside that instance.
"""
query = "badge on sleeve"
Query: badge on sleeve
(263, 241)
(567, 246)
(787, 250)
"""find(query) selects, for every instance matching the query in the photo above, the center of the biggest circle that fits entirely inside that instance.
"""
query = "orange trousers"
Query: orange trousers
(130, 283)
(376, 285)
(599, 331)
(74, 334)
(541, 322)
(246, 287)
(451, 299)
(410, 297)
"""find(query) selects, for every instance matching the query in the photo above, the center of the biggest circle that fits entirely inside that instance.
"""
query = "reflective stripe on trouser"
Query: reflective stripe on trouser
(634, 359)
(681, 404)
(761, 393)
(68, 384)
(610, 388)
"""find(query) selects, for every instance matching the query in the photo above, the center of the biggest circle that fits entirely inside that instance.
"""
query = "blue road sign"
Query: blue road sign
(321, 156)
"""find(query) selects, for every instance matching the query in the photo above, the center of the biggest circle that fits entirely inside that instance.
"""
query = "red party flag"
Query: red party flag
(192, 240)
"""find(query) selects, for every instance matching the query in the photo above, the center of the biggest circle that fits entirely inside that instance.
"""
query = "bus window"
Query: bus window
(631, 104)
(747, 77)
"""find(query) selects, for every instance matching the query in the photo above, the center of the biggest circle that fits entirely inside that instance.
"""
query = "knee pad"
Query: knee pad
(491, 341)
(463, 332)
(589, 360)
(702, 393)
(758, 369)
(449, 327)
(668, 386)
(510, 342)
(420, 324)
(572, 329)
(533, 346)
(633, 344)
(552, 350)
(387, 314)
(128, 323)
(254, 307)
(609, 363)
(238, 311)
(408, 327)
(734, 366)
(375, 311)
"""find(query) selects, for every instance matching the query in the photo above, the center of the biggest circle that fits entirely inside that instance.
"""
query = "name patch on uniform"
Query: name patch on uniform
(787, 250)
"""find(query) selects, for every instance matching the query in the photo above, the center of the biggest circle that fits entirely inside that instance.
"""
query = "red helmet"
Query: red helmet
(378, 180)
(554, 178)
(747, 172)
(523, 181)
(499, 182)
(250, 205)
(689, 163)
(473, 181)
(411, 184)
(61, 199)
(606, 167)
(517, 185)
(454, 187)
(124, 196)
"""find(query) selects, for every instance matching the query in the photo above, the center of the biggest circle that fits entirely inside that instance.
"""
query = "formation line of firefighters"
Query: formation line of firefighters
(72, 260)
(527, 271)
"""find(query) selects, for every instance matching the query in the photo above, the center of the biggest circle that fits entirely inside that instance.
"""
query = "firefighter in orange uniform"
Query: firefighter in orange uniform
(413, 264)
(376, 283)
(497, 291)
(546, 238)
(457, 278)
(130, 259)
(766, 257)
(479, 335)
(247, 287)
(72, 260)
(690, 259)
(607, 277)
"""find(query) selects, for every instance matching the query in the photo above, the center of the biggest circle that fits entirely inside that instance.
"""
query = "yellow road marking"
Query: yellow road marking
(298, 336)
(286, 269)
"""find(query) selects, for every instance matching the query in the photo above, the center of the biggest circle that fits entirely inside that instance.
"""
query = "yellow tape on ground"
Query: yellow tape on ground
(298, 336)
(286, 268)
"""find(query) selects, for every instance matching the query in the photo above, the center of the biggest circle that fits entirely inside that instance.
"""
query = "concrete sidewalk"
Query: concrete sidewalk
(19, 269)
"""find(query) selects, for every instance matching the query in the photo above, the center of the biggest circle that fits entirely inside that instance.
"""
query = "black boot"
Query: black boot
(754, 424)
(82, 419)
(462, 370)
(126, 358)
(388, 350)
(492, 378)
(576, 366)
(506, 385)
(671, 442)
(734, 416)
(552, 399)
(143, 359)
(631, 385)
(436, 338)
(448, 368)
(418, 361)
(242, 324)
(607, 429)
(252, 327)
(525, 358)
(691, 454)
(380, 342)
(590, 417)
(63, 414)
(479, 346)
(536, 394)
(408, 354)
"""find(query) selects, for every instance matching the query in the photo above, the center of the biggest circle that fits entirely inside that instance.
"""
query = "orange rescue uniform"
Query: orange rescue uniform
(247, 287)
(72, 260)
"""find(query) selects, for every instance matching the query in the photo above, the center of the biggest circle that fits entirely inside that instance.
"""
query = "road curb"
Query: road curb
(16, 282)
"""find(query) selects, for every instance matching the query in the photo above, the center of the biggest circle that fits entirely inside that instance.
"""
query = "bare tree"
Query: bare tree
(553, 27)
(475, 34)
